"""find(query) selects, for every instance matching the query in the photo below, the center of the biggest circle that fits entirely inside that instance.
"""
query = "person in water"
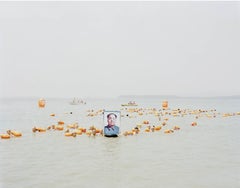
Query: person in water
(111, 129)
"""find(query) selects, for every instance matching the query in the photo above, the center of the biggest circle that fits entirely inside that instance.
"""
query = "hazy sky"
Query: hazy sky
(97, 49)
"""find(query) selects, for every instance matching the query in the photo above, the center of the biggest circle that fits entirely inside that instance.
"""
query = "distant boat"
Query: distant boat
(76, 101)
(130, 103)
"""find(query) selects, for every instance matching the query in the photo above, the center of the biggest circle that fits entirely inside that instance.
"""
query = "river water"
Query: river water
(206, 155)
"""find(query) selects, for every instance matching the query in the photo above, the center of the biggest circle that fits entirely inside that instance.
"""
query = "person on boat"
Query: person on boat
(111, 130)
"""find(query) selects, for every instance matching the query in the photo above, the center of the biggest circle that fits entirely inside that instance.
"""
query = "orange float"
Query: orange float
(125, 133)
(78, 132)
(16, 133)
(59, 127)
(89, 133)
(163, 123)
(176, 128)
(194, 124)
(168, 131)
(147, 130)
(5, 136)
(98, 131)
(39, 129)
(165, 104)
(83, 130)
(136, 130)
(41, 103)
(71, 126)
(158, 128)
(60, 122)
(145, 122)
(70, 134)
(94, 132)
(130, 133)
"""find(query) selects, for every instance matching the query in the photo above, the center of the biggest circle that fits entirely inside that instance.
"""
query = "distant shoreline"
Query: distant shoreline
(175, 97)
(132, 97)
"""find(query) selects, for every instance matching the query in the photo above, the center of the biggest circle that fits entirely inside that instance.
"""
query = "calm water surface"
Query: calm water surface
(207, 155)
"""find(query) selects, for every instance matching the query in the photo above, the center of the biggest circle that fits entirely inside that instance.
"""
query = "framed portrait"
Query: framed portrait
(111, 122)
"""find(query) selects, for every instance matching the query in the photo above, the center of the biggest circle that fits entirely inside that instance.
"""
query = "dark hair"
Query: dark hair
(111, 114)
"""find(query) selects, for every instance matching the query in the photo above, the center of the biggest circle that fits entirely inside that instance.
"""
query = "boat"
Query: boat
(76, 101)
(130, 103)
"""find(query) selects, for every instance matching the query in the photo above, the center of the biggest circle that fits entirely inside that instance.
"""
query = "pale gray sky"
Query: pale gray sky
(97, 49)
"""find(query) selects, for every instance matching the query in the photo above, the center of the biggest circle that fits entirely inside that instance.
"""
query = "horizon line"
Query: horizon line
(121, 96)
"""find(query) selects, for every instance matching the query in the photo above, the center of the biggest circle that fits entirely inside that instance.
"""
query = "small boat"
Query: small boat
(130, 103)
(76, 101)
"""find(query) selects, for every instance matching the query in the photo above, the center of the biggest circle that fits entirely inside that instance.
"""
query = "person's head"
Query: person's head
(111, 119)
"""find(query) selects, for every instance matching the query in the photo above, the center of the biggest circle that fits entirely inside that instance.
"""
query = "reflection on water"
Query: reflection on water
(203, 156)
(111, 145)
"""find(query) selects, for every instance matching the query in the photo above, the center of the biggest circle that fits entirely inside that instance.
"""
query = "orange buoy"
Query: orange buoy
(71, 126)
(16, 133)
(125, 133)
(165, 104)
(168, 131)
(39, 129)
(176, 128)
(147, 130)
(130, 133)
(60, 122)
(89, 133)
(59, 127)
(5, 136)
(158, 128)
(78, 132)
(41, 103)
(136, 130)
(68, 134)
(83, 130)
(145, 122)
(194, 124)
(98, 131)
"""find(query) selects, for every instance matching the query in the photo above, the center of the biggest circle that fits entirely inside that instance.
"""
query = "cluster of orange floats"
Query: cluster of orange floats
(11, 133)
(72, 130)
(153, 128)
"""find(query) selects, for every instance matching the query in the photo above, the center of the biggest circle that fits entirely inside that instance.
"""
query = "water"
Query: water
(206, 155)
